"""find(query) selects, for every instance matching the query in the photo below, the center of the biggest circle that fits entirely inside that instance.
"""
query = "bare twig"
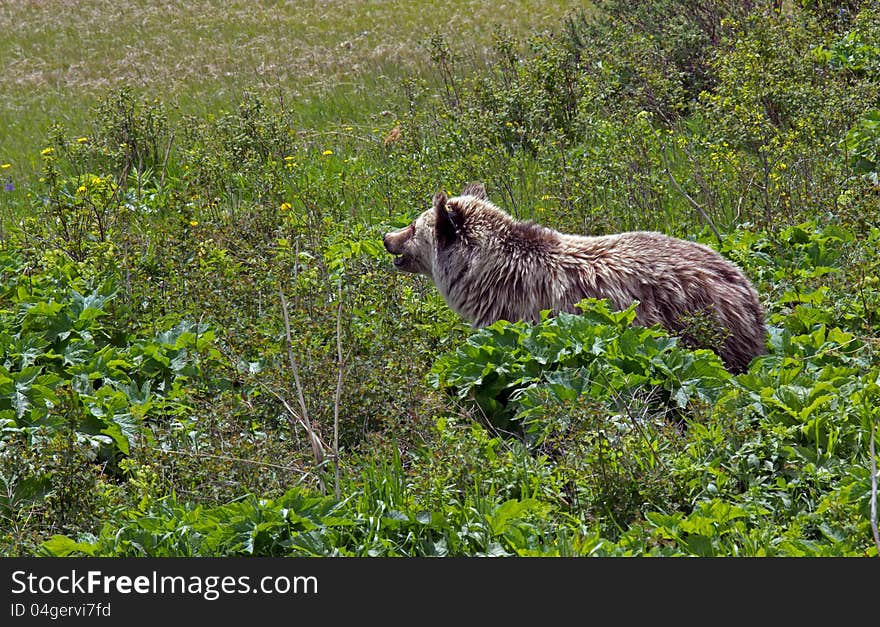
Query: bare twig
(314, 441)
(165, 163)
(229, 458)
(295, 415)
(340, 363)
(626, 408)
(693, 203)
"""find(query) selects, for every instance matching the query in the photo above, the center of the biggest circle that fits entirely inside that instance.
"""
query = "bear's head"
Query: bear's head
(415, 246)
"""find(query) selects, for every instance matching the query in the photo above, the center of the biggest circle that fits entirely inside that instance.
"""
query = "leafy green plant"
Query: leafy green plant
(855, 51)
(302, 524)
(863, 144)
(597, 355)
(61, 361)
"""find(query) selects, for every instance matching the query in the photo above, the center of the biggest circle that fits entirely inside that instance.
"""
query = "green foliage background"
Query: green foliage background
(204, 351)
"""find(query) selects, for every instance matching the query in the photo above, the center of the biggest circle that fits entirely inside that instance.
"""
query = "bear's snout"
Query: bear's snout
(387, 240)
(395, 240)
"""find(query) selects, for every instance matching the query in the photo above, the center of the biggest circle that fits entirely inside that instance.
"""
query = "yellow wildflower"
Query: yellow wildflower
(288, 158)
(193, 222)
(327, 152)
(81, 140)
(47, 151)
(81, 190)
(5, 166)
(285, 206)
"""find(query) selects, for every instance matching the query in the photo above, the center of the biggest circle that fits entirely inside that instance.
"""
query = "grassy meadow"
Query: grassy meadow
(330, 62)
(204, 350)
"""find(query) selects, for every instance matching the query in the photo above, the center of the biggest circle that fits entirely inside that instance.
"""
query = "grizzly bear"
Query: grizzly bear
(489, 266)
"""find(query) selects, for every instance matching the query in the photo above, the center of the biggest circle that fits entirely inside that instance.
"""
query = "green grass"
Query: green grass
(337, 60)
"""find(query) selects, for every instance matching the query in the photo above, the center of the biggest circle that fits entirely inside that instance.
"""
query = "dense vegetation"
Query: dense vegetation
(205, 351)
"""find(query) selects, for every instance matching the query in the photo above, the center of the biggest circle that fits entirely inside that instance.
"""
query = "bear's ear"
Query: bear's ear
(475, 189)
(444, 228)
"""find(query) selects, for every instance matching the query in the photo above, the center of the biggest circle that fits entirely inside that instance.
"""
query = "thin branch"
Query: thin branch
(314, 442)
(626, 408)
(340, 363)
(693, 203)
(296, 416)
(165, 163)
(228, 458)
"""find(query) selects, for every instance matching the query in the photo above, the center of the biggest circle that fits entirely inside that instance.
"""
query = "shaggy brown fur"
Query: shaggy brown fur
(489, 266)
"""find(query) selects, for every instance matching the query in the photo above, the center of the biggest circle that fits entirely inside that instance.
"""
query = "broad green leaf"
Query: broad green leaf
(62, 546)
